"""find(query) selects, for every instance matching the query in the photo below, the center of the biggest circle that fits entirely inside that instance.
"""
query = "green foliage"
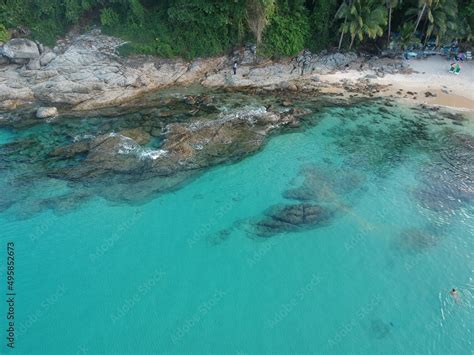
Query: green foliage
(442, 22)
(363, 18)
(258, 14)
(407, 38)
(439, 18)
(322, 22)
(205, 27)
(109, 18)
(4, 35)
(198, 28)
(287, 35)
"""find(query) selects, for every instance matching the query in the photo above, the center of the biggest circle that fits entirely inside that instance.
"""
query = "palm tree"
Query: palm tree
(363, 17)
(391, 4)
(424, 5)
(440, 16)
(407, 37)
(343, 11)
(443, 19)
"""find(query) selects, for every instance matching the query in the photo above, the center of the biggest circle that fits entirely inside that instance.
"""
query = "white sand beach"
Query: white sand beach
(430, 75)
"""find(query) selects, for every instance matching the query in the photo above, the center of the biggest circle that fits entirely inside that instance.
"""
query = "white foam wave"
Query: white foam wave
(151, 154)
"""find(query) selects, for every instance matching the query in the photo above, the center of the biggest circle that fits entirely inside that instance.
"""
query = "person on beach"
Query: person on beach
(234, 67)
(295, 64)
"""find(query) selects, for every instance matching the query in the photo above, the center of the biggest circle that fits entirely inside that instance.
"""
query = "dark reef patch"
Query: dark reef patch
(447, 182)
(322, 183)
(416, 240)
(379, 328)
(291, 218)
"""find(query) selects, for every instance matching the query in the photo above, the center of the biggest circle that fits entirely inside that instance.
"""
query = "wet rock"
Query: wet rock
(156, 132)
(187, 147)
(190, 100)
(45, 112)
(165, 114)
(137, 134)
(291, 218)
(72, 150)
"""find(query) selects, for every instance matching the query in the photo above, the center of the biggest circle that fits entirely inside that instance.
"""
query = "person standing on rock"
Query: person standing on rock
(296, 64)
(234, 67)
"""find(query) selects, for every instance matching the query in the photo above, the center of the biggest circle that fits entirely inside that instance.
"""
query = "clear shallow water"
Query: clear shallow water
(185, 272)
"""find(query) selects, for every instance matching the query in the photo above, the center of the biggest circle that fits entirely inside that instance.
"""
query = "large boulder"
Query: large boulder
(20, 48)
(45, 112)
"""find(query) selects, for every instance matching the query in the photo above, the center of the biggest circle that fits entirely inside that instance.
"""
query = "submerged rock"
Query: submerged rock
(379, 329)
(137, 134)
(125, 168)
(324, 184)
(415, 240)
(291, 218)
(448, 183)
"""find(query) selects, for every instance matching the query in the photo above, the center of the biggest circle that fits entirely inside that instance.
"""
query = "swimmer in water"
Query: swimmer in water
(455, 294)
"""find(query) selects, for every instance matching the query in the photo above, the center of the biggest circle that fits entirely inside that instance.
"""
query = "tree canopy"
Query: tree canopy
(193, 28)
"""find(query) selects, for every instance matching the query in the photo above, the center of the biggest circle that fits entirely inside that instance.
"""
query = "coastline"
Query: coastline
(85, 74)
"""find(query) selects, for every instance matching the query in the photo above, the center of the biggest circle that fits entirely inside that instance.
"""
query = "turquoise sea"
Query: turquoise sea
(184, 271)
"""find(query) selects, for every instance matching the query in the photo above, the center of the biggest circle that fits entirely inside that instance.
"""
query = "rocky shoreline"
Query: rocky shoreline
(84, 72)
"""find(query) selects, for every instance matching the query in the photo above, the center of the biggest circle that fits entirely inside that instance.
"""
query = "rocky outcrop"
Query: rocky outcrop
(291, 218)
(185, 149)
(20, 48)
(45, 112)
(84, 72)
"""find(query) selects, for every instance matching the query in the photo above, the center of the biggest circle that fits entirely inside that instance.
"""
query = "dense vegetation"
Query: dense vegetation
(192, 28)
